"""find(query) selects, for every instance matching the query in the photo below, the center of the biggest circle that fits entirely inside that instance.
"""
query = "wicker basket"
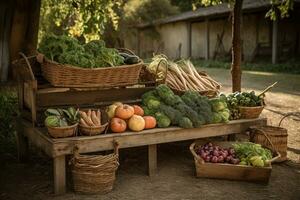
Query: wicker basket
(94, 173)
(61, 132)
(92, 130)
(277, 135)
(250, 112)
(95, 130)
(63, 75)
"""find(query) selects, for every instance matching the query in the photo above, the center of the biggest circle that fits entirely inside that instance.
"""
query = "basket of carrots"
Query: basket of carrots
(92, 122)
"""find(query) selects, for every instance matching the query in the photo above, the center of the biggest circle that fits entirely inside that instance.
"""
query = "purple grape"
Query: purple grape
(220, 159)
(215, 153)
(207, 159)
(214, 159)
(231, 151)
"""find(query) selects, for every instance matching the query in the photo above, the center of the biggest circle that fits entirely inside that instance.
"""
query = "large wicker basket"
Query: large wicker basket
(94, 173)
(61, 132)
(63, 75)
(250, 112)
(277, 135)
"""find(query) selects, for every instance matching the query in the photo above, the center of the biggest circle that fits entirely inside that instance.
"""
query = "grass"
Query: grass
(8, 111)
(292, 67)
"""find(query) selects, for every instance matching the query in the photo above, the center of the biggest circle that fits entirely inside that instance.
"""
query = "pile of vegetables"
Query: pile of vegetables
(61, 117)
(94, 54)
(216, 154)
(221, 113)
(123, 116)
(252, 154)
(242, 153)
(188, 111)
(181, 75)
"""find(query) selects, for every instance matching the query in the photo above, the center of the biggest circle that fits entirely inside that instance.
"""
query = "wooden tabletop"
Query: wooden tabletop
(63, 146)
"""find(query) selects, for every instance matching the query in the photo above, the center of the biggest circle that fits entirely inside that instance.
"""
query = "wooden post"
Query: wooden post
(274, 41)
(207, 39)
(152, 159)
(189, 39)
(59, 170)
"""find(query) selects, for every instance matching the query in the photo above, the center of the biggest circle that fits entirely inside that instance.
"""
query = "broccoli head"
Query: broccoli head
(162, 120)
(218, 104)
(185, 123)
(171, 112)
(191, 114)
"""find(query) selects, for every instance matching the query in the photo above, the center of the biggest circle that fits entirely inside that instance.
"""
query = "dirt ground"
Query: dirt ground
(175, 178)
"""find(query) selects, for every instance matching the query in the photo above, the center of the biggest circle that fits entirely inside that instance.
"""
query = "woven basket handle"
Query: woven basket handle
(166, 69)
(270, 142)
(126, 51)
(296, 114)
(28, 65)
(198, 158)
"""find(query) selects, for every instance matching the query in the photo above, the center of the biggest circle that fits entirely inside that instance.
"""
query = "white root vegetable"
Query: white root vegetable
(95, 119)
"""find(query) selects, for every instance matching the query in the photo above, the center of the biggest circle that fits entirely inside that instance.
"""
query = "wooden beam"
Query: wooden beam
(189, 39)
(274, 41)
(206, 39)
(152, 159)
(58, 98)
(59, 172)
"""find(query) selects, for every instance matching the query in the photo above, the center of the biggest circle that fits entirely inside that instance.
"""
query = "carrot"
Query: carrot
(99, 115)
(87, 119)
(95, 119)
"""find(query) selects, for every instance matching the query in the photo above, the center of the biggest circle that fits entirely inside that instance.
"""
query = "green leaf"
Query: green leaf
(51, 111)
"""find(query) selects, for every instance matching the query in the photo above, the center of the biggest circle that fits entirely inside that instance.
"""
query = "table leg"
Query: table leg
(152, 159)
(59, 169)
(22, 142)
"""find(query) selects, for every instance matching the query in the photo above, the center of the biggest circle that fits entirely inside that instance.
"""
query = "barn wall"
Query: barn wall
(172, 35)
(255, 29)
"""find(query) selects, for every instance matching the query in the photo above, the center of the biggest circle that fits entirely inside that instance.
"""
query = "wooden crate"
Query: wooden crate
(229, 171)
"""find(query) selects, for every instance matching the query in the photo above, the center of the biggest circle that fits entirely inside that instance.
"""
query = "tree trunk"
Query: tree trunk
(236, 72)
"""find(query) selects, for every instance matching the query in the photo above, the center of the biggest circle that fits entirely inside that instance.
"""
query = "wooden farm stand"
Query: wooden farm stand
(36, 96)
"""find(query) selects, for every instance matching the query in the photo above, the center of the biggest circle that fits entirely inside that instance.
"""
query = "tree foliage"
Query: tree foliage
(79, 18)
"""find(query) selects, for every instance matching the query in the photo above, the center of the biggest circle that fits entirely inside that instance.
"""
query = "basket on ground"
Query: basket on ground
(95, 130)
(64, 75)
(61, 132)
(250, 112)
(276, 134)
(230, 171)
(94, 173)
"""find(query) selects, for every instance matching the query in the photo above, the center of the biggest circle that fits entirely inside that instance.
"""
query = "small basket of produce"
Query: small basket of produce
(92, 122)
(182, 76)
(67, 63)
(243, 161)
(246, 105)
(94, 174)
(61, 122)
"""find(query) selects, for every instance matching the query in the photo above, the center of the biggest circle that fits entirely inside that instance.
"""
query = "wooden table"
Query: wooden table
(59, 148)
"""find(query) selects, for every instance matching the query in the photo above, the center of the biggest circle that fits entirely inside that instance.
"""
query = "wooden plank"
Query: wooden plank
(154, 136)
(39, 139)
(152, 159)
(59, 171)
(233, 172)
(89, 97)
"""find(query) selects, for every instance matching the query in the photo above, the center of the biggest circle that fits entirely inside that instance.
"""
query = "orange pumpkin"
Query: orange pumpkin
(150, 122)
(118, 125)
(138, 110)
(124, 111)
